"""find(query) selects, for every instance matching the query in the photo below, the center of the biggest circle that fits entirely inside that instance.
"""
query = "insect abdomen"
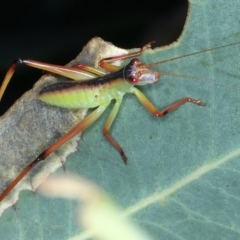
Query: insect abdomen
(70, 95)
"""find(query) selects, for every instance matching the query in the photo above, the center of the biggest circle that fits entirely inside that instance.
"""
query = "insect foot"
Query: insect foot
(197, 102)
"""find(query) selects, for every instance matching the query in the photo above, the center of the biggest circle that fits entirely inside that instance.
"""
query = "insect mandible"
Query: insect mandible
(95, 89)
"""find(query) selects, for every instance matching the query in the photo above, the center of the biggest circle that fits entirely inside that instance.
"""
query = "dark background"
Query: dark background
(55, 32)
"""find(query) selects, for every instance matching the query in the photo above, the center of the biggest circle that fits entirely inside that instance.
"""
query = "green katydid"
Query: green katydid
(95, 89)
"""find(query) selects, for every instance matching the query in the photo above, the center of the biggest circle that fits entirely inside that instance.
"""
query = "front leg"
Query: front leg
(160, 113)
(105, 62)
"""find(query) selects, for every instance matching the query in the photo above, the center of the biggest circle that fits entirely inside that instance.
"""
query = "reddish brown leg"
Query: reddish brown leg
(160, 113)
(108, 126)
(104, 63)
(89, 69)
(70, 72)
(7, 78)
(85, 123)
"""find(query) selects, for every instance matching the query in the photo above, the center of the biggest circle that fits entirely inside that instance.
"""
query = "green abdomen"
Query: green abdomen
(86, 94)
(70, 95)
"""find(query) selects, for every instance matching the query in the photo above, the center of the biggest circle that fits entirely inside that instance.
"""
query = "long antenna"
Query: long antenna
(190, 54)
(198, 79)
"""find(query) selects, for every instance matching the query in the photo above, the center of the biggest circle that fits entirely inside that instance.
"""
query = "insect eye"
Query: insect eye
(135, 61)
(133, 80)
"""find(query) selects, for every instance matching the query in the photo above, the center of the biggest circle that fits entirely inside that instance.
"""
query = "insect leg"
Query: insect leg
(107, 127)
(104, 63)
(89, 69)
(160, 113)
(7, 78)
(85, 123)
(70, 72)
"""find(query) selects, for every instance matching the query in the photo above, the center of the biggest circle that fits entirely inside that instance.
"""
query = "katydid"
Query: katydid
(95, 89)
